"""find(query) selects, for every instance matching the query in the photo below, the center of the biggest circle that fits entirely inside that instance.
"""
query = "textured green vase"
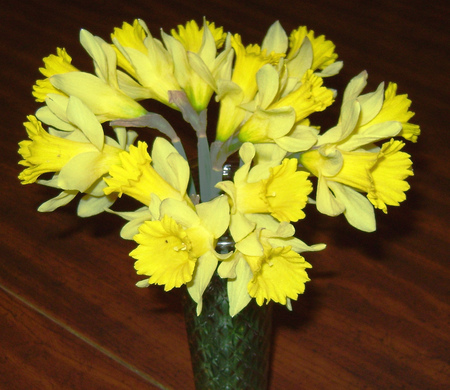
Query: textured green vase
(228, 353)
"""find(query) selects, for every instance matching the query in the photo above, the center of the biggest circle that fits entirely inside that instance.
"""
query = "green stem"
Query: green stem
(208, 178)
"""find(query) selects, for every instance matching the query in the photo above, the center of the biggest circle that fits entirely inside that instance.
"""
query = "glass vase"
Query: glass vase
(228, 353)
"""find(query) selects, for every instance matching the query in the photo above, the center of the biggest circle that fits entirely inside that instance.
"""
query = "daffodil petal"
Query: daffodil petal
(215, 215)
(105, 101)
(238, 295)
(302, 61)
(199, 67)
(267, 125)
(61, 200)
(240, 226)
(331, 70)
(205, 268)
(82, 117)
(268, 84)
(135, 218)
(264, 221)
(47, 116)
(169, 164)
(300, 139)
(180, 212)
(105, 64)
(58, 105)
(359, 212)
(374, 133)
(92, 205)
(227, 267)
(371, 104)
(250, 245)
(276, 39)
(81, 171)
(355, 87)
(326, 202)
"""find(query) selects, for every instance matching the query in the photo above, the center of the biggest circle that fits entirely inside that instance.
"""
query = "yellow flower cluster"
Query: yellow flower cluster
(266, 94)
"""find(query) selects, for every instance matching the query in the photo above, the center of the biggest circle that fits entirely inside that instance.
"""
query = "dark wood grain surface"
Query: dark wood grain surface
(374, 316)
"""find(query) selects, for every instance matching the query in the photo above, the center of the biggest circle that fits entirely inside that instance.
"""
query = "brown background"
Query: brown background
(374, 316)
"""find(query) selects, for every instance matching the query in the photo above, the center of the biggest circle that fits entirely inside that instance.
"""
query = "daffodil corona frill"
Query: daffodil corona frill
(54, 64)
(139, 176)
(280, 191)
(179, 240)
(268, 96)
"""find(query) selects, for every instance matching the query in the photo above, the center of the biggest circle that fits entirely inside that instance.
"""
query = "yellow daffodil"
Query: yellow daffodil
(78, 159)
(241, 88)
(266, 265)
(48, 153)
(177, 246)
(278, 190)
(343, 176)
(305, 52)
(284, 101)
(320, 54)
(146, 60)
(277, 275)
(138, 175)
(283, 120)
(101, 93)
(346, 159)
(371, 117)
(196, 64)
(166, 252)
(45, 153)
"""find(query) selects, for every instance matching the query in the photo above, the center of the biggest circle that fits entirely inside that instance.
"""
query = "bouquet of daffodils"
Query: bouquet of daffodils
(266, 94)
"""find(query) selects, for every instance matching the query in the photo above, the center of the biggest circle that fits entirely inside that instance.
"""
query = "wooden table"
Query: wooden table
(374, 316)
